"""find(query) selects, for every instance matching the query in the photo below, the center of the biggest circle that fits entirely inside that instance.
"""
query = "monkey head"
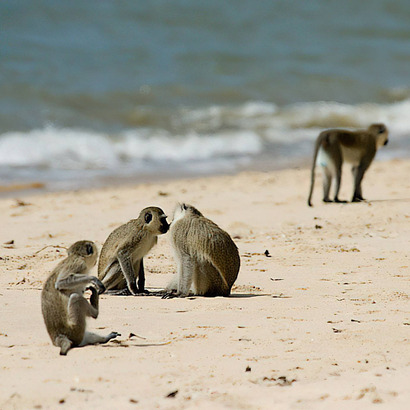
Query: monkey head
(155, 220)
(85, 249)
(183, 208)
(381, 133)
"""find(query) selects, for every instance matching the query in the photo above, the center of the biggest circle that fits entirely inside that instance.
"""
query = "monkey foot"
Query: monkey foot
(357, 199)
(121, 292)
(143, 292)
(113, 335)
(156, 293)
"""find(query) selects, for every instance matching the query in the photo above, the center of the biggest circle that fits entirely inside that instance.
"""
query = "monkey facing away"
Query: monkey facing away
(63, 304)
(335, 146)
(121, 259)
(207, 258)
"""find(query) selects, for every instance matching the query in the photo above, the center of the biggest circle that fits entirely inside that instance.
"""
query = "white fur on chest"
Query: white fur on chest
(144, 249)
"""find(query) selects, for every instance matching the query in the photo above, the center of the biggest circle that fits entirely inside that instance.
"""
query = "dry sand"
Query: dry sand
(324, 322)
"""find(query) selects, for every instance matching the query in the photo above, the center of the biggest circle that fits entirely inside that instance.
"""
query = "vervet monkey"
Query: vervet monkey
(121, 260)
(335, 146)
(206, 256)
(63, 303)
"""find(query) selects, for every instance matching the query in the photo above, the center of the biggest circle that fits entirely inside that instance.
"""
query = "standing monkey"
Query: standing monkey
(121, 259)
(62, 302)
(206, 256)
(335, 146)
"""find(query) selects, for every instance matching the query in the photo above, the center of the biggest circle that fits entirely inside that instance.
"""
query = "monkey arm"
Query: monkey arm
(75, 280)
(79, 307)
(128, 271)
(94, 298)
(141, 278)
(186, 268)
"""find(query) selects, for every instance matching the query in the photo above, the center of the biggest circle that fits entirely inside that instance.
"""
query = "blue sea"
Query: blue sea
(95, 92)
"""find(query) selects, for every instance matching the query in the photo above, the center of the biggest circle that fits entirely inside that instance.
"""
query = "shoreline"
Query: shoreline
(321, 323)
(35, 187)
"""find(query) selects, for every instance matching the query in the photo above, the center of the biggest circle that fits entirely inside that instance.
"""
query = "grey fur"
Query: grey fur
(207, 258)
(63, 305)
(337, 146)
(121, 260)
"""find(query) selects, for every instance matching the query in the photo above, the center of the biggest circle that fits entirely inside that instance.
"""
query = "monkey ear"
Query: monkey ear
(148, 217)
(89, 249)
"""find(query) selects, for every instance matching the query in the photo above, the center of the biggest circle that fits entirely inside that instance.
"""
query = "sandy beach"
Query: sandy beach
(320, 322)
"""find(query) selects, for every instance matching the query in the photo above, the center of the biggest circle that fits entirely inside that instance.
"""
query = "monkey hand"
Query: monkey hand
(96, 285)
(142, 292)
(172, 294)
(132, 287)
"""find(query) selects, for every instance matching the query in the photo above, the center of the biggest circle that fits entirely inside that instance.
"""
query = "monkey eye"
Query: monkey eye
(148, 218)
(184, 207)
(381, 130)
(89, 249)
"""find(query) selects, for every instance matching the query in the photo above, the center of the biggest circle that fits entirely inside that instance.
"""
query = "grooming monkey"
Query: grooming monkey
(121, 260)
(335, 146)
(206, 256)
(62, 302)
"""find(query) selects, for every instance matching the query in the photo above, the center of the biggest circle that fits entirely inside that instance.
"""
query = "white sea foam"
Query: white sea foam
(75, 149)
(210, 134)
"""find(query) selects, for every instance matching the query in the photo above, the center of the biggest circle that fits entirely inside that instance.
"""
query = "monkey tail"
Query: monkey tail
(312, 175)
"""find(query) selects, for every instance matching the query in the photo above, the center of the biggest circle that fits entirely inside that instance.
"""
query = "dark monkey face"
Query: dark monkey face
(164, 224)
(381, 134)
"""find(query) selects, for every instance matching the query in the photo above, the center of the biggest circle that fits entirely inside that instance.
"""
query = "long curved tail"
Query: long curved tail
(312, 175)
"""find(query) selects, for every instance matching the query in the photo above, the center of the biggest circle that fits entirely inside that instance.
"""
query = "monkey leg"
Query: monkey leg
(114, 278)
(332, 161)
(93, 338)
(64, 343)
(358, 174)
(127, 271)
(78, 308)
(208, 281)
(338, 179)
(327, 182)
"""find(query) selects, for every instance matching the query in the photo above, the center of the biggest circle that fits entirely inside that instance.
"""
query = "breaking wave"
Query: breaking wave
(208, 138)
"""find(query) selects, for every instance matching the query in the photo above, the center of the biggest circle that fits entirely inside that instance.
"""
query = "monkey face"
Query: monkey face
(164, 224)
(381, 133)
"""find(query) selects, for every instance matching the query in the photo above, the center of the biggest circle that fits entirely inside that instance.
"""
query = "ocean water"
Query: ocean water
(93, 92)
